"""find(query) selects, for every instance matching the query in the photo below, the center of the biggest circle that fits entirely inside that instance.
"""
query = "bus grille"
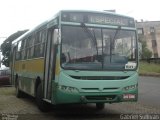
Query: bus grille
(115, 88)
(100, 77)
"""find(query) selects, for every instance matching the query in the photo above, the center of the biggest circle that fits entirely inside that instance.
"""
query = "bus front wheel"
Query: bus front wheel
(100, 106)
(42, 105)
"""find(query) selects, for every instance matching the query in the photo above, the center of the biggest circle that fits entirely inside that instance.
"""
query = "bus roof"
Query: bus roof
(93, 11)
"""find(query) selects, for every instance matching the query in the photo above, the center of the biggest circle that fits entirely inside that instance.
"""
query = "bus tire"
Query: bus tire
(42, 105)
(100, 106)
(19, 93)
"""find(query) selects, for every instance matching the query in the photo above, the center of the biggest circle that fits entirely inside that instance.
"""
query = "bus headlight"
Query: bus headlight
(131, 87)
(68, 89)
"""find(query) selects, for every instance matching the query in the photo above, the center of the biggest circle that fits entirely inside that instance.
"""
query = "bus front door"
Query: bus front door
(50, 59)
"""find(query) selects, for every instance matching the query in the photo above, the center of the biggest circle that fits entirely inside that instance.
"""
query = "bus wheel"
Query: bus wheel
(19, 93)
(100, 106)
(42, 105)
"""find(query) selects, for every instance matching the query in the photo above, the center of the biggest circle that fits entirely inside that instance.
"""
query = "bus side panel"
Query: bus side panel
(28, 71)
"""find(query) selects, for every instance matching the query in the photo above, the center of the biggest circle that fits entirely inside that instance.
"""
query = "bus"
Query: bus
(78, 57)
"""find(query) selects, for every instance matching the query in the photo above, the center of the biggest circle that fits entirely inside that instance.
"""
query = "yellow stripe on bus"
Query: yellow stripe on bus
(32, 65)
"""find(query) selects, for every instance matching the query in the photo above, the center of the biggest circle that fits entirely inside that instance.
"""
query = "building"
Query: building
(150, 32)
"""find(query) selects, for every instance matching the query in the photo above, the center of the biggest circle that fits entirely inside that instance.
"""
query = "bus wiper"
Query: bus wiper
(90, 35)
(118, 29)
(113, 40)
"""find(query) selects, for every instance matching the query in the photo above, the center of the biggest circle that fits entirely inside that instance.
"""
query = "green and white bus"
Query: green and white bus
(78, 57)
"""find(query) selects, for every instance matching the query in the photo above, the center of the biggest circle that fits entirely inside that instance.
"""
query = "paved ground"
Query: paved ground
(149, 91)
(26, 109)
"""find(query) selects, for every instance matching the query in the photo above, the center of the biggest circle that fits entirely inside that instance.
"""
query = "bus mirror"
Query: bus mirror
(56, 36)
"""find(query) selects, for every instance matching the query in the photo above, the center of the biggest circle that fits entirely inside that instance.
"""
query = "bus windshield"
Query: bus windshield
(90, 48)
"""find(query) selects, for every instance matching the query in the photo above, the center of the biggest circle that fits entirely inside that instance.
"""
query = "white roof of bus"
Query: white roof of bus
(102, 12)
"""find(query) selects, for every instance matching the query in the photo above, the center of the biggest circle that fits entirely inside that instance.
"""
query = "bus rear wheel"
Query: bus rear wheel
(42, 105)
(19, 93)
(100, 106)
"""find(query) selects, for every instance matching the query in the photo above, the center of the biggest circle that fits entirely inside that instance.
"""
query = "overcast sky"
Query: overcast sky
(24, 14)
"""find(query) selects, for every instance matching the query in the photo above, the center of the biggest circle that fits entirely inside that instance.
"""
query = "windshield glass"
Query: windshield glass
(98, 48)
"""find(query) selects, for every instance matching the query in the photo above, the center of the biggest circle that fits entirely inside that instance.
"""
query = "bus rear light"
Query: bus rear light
(129, 96)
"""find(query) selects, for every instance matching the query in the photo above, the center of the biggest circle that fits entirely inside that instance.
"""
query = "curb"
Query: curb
(150, 74)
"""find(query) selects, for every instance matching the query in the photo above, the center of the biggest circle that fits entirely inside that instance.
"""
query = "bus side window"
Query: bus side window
(23, 49)
(19, 45)
(37, 45)
(30, 47)
(18, 54)
(40, 44)
(43, 42)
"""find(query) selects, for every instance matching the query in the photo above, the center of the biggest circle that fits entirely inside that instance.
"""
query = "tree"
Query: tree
(146, 53)
(6, 47)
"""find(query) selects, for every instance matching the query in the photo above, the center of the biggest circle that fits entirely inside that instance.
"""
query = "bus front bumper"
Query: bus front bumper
(63, 97)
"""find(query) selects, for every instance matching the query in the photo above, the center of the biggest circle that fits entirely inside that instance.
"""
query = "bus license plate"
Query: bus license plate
(129, 96)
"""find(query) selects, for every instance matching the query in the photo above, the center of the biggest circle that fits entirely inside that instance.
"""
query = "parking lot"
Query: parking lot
(26, 109)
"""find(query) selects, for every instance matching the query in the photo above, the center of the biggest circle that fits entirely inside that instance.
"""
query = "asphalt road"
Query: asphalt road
(149, 91)
(26, 108)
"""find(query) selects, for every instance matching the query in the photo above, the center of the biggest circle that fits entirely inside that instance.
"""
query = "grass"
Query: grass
(149, 68)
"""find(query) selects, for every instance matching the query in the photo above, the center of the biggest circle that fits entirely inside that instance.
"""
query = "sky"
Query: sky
(18, 15)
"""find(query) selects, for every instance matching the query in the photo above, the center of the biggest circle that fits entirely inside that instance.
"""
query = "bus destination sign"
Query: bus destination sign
(98, 18)
(111, 20)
